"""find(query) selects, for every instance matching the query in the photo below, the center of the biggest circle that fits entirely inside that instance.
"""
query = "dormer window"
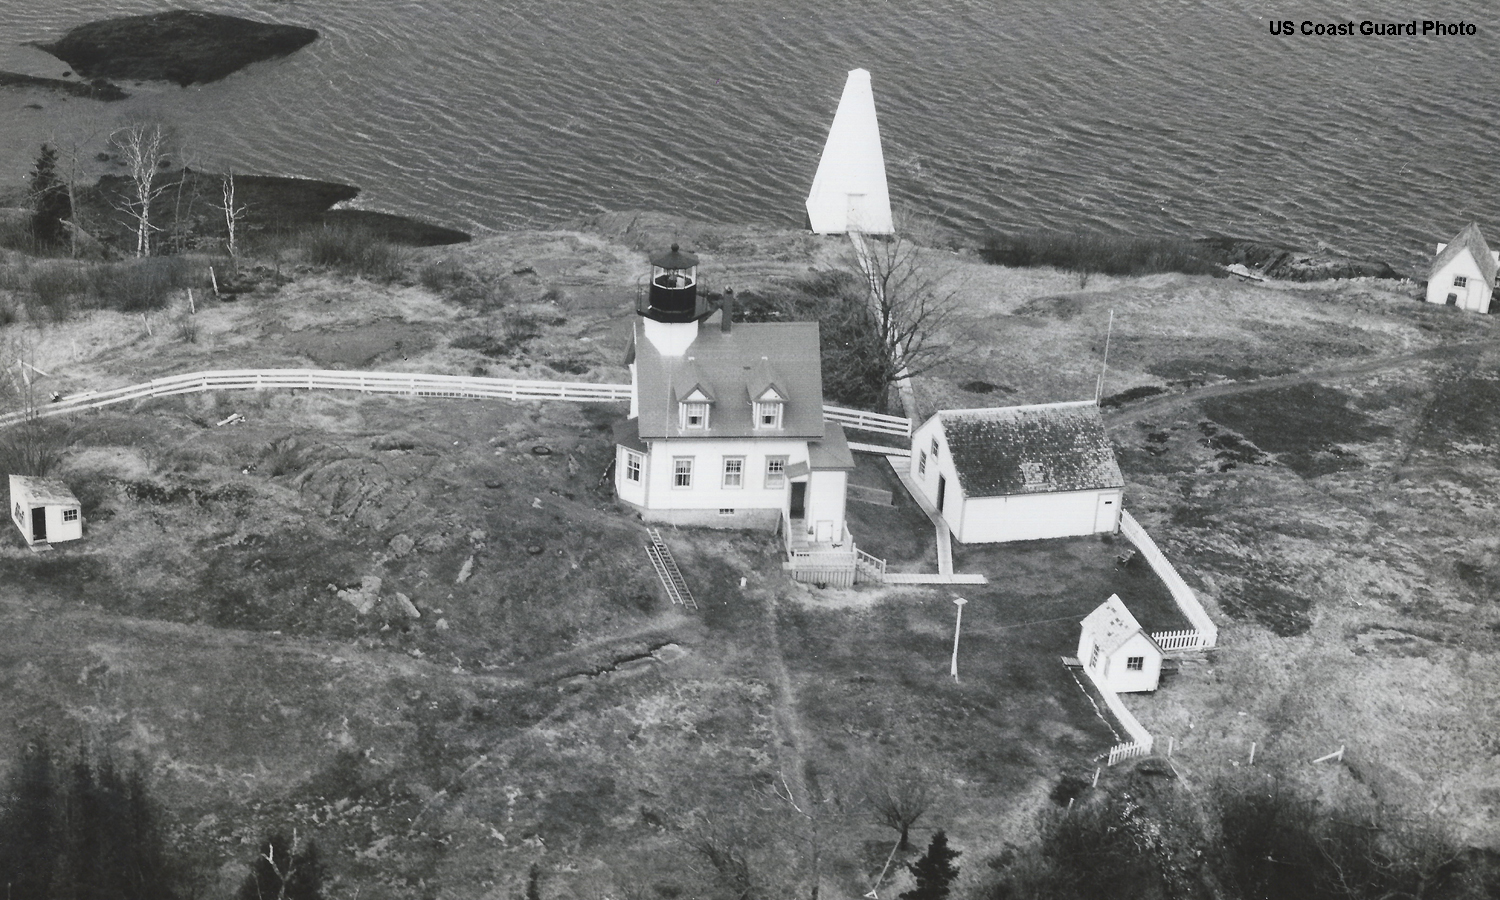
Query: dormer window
(695, 415)
(768, 413)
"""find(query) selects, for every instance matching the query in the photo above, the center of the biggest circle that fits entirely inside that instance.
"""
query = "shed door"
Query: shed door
(39, 524)
(1104, 516)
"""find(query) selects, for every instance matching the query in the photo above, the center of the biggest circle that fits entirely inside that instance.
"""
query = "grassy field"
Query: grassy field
(1318, 460)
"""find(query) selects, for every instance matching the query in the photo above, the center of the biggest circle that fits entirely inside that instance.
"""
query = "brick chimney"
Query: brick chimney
(726, 317)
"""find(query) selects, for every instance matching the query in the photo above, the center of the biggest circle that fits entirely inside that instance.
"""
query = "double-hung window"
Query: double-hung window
(775, 472)
(632, 466)
(682, 472)
(695, 415)
(768, 413)
(734, 471)
(922, 462)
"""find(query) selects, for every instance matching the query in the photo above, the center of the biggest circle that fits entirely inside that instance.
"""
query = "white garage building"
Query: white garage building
(1019, 473)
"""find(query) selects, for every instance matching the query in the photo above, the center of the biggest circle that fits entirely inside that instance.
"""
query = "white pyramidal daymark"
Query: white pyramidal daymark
(849, 191)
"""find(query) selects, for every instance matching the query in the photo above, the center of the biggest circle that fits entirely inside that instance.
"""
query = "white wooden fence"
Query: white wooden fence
(1186, 600)
(868, 421)
(1140, 742)
(414, 384)
(462, 387)
(1178, 640)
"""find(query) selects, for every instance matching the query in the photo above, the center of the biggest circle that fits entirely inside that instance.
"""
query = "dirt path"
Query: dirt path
(1153, 406)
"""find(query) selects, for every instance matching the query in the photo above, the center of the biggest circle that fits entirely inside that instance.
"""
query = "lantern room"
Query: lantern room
(673, 292)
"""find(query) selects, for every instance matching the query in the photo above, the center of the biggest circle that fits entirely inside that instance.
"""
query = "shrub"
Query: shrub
(438, 276)
(187, 328)
(56, 289)
(1085, 254)
(144, 284)
(353, 251)
(283, 456)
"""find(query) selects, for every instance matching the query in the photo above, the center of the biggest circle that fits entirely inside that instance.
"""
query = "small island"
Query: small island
(182, 46)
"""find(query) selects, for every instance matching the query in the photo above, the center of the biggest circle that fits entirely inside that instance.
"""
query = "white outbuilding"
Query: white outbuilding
(1019, 473)
(1463, 274)
(849, 191)
(44, 510)
(1117, 651)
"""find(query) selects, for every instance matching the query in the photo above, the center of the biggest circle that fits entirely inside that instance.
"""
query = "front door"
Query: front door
(39, 524)
(942, 492)
(799, 500)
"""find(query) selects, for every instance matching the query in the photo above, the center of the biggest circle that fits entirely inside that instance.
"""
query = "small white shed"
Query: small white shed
(1116, 651)
(849, 191)
(1463, 274)
(44, 510)
(1019, 473)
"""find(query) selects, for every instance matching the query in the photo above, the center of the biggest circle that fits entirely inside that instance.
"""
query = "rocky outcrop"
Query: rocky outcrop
(182, 46)
(1290, 264)
(96, 89)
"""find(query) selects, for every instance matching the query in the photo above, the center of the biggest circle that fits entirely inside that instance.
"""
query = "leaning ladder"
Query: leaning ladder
(666, 569)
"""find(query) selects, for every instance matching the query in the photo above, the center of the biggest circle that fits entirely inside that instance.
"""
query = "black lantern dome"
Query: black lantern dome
(673, 295)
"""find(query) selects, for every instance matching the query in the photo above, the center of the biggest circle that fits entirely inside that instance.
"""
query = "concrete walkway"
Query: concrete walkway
(945, 574)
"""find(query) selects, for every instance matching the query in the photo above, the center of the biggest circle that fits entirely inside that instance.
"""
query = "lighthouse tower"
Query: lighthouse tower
(671, 307)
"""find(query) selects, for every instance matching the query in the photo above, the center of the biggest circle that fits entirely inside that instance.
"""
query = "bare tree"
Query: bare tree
(906, 301)
(232, 214)
(143, 149)
(724, 845)
(898, 798)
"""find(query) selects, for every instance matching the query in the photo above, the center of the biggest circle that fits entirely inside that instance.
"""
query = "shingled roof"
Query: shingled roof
(43, 491)
(1471, 240)
(730, 367)
(1030, 449)
(1111, 624)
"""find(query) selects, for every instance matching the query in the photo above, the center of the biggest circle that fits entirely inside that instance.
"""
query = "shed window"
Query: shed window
(775, 472)
(734, 471)
(921, 462)
(70, 515)
(1094, 657)
(1460, 280)
(632, 466)
(1135, 663)
(725, 511)
(682, 471)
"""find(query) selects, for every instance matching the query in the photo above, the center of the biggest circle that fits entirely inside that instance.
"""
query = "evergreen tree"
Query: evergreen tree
(284, 870)
(49, 200)
(934, 872)
(27, 829)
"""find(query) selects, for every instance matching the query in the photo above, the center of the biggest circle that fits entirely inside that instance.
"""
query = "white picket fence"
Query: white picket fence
(868, 421)
(1128, 751)
(1178, 640)
(1183, 595)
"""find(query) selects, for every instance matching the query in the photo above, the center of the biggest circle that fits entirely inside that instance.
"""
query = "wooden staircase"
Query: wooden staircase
(666, 569)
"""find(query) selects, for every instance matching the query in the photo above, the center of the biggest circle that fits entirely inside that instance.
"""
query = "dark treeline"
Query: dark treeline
(77, 825)
(1257, 841)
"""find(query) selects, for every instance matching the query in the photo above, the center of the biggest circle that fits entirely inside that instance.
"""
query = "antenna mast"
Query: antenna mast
(1099, 387)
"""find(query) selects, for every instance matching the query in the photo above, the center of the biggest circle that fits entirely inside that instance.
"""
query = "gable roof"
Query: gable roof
(1040, 449)
(43, 491)
(1471, 240)
(1112, 625)
(732, 368)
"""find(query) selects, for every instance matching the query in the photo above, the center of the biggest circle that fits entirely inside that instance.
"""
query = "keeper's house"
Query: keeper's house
(1117, 652)
(726, 423)
(45, 511)
(1463, 274)
(1019, 473)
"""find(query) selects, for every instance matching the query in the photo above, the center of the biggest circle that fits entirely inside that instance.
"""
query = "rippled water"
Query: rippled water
(1142, 116)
